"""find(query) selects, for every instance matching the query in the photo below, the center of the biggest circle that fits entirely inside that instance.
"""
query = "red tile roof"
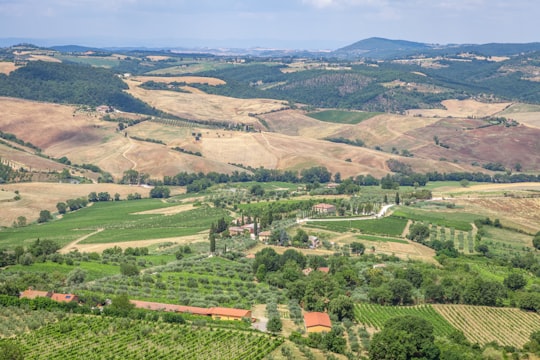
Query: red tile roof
(317, 319)
(170, 307)
(220, 311)
(32, 294)
(64, 297)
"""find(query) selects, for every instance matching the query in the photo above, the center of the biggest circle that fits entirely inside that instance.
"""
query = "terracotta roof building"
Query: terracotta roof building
(32, 294)
(317, 322)
(64, 297)
(324, 208)
(229, 313)
(215, 312)
(148, 305)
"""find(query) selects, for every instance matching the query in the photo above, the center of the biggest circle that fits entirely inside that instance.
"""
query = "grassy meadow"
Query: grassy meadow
(120, 222)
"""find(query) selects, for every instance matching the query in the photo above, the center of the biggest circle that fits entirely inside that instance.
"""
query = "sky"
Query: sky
(289, 24)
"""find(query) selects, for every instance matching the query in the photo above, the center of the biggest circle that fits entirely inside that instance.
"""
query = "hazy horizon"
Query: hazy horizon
(284, 24)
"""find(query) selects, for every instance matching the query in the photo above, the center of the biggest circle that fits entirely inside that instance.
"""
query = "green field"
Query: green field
(98, 61)
(380, 239)
(119, 221)
(391, 226)
(95, 337)
(457, 220)
(343, 117)
(376, 316)
(94, 270)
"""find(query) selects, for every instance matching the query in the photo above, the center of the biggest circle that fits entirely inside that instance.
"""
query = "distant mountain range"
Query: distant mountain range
(372, 48)
(380, 48)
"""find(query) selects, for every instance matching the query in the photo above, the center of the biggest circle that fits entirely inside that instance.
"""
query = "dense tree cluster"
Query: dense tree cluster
(71, 84)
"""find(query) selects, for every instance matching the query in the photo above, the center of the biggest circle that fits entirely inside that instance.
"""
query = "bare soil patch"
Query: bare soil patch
(44, 58)
(6, 195)
(468, 141)
(167, 211)
(180, 79)
(521, 213)
(157, 57)
(182, 240)
(40, 196)
(7, 67)
(205, 107)
(462, 108)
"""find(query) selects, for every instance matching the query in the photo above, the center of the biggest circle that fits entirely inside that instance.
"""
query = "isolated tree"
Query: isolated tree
(482, 248)
(212, 238)
(301, 237)
(256, 190)
(397, 201)
(21, 221)
(129, 269)
(76, 276)
(418, 232)
(122, 305)
(160, 192)
(61, 207)
(104, 196)
(93, 197)
(44, 216)
(515, 281)
(274, 324)
(358, 248)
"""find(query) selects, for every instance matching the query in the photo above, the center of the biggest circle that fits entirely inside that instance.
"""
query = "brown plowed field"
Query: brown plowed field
(462, 109)
(205, 107)
(7, 67)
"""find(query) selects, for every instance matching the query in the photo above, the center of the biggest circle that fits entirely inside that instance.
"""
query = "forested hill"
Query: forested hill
(380, 48)
(70, 84)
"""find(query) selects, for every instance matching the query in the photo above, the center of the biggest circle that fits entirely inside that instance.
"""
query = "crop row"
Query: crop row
(376, 316)
(92, 337)
(391, 226)
(484, 324)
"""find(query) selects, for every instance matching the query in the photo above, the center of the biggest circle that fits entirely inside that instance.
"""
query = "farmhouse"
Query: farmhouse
(148, 305)
(64, 297)
(265, 235)
(324, 208)
(236, 230)
(239, 230)
(32, 294)
(317, 322)
(221, 313)
(215, 312)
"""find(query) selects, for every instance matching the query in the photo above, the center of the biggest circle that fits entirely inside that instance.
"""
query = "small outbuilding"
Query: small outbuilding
(317, 322)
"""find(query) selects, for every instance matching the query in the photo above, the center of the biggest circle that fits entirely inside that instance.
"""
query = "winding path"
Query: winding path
(71, 246)
(126, 151)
